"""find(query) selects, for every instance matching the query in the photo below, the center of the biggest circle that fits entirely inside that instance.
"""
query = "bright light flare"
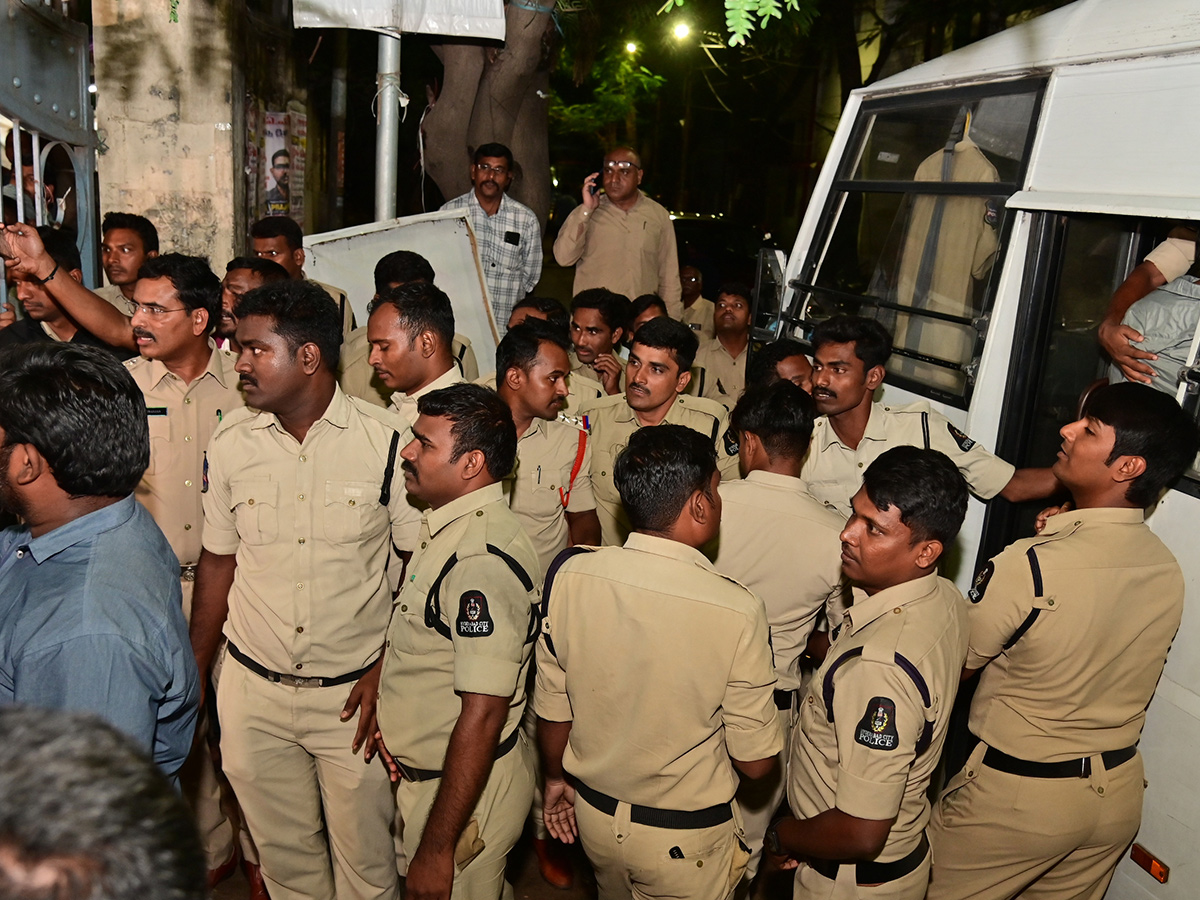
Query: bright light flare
(631, 47)
(681, 31)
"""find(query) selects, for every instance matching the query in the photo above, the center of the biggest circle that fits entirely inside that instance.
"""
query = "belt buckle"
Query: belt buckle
(297, 681)
(187, 573)
(1085, 767)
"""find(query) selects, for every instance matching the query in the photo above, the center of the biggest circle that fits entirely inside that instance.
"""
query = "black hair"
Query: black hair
(780, 414)
(556, 314)
(641, 304)
(925, 486)
(613, 307)
(279, 153)
(1149, 424)
(270, 270)
(61, 246)
(761, 366)
(481, 421)
(303, 313)
(494, 151)
(422, 307)
(401, 267)
(193, 280)
(82, 411)
(664, 333)
(279, 227)
(520, 346)
(144, 227)
(659, 469)
(872, 343)
(736, 289)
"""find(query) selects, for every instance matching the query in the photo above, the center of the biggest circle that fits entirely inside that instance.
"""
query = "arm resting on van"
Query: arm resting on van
(1114, 337)
(1030, 484)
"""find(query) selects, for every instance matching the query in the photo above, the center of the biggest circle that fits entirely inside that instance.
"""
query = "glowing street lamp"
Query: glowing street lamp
(631, 47)
(681, 31)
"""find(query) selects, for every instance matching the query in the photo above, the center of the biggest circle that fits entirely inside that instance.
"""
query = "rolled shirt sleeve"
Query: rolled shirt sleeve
(751, 720)
(490, 612)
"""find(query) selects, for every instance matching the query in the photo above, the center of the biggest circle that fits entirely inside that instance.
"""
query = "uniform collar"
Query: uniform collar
(159, 371)
(775, 480)
(660, 546)
(337, 413)
(867, 609)
(437, 519)
(538, 426)
(876, 429)
(1106, 514)
(450, 377)
(81, 529)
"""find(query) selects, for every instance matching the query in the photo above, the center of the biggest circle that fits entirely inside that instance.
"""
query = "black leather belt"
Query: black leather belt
(871, 872)
(658, 818)
(1071, 768)
(783, 699)
(412, 773)
(295, 680)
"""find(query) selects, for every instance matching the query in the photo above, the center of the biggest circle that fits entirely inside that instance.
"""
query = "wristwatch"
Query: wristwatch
(771, 839)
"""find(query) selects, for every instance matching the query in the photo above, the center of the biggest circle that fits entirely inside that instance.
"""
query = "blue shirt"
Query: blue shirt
(91, 619)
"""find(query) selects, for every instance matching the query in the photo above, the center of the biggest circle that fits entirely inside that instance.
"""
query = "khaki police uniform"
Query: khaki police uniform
(870, 731)
(475, 577)
(833, 472)
(358, 379)
(1173, 257)
(612, 421)
(785, 547)
(311, 524)
(699, 318)
(722, 376)
(1073, 628)
(182, 419)
(112, 293)
(663, 667)
(406, 404)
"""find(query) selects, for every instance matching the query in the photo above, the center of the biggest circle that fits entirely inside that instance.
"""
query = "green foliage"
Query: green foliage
(619, 84)
(740, 15)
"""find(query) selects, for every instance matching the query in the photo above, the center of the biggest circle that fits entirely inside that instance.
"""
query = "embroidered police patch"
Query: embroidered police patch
(473, 620)
(964, 442)
(731, 442)
(975, 594)
(877, 728)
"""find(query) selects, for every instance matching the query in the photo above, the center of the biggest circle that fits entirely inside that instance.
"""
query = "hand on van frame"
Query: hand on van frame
(1044, 516)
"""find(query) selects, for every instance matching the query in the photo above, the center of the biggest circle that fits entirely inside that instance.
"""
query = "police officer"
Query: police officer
(873, 718)
(1071, 629)
(458, 651)
(654, 686)
(300, 508)
(721, 359)
(656, 376)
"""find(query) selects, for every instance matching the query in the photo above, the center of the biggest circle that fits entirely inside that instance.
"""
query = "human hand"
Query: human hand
(609, 370)
(1115, 340)
(364, 698)
(24, 253)
(1045, 514)
(430, 876)
(590, 199)
(558, 810)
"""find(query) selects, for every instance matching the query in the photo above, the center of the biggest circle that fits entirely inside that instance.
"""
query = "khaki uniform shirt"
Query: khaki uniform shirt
(722, 376)
(1076, 682)
(611, 421)
(541, 491)
(864, 761)
(488, 621)
(309, 595)
(833, 472)
(182, 419)
(786, 547)
(663, 667)
(343, 304)
(112, 293)
(358, 379)
(632, 253)
(406, 404)
(584, 381)
(699, 318)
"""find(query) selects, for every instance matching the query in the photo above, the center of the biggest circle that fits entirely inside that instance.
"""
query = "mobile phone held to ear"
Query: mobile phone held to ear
(598, 184)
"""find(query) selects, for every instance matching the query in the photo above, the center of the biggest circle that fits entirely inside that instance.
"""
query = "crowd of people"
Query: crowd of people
(660, 590)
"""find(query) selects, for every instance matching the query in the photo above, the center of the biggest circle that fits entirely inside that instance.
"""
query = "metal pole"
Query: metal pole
(387, 130)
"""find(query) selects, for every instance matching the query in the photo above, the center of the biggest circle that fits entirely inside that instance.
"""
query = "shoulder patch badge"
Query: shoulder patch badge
(964, 442)
(473, 620)
(731, 442)
(979, 585)
(877, 728)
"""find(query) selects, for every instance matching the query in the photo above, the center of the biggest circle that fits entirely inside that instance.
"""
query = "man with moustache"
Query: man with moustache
(302, 506)
(242, 274)
(127, 240)
(280, 239)
(506, 232)
(598, 320)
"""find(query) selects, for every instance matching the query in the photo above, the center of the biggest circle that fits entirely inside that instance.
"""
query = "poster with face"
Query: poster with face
(277, 164)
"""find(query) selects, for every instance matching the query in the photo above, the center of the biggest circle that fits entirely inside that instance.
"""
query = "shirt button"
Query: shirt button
(250, 502)
(299, 496)
(424, 544)
(897, 610)
(602, 474)
(187, 400)
(187, 437)
(299, 629)
(187, 527)
(812, 699)
(20, 554)
(299, 540)
(303, 458)
(350, 503)
(860, 465)
(479, 512)
(188, 483)
(299, 585)
(403, 607)
(299, 665)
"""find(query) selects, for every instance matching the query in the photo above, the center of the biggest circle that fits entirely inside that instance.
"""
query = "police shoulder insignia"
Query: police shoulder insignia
(964, 442)
(877, 728)
(731, 442)
(975, 594)
(473, 620)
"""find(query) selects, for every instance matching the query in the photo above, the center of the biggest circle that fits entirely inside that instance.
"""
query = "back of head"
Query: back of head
(925, 486)
(279, 227)
(144, 227)
(872, 343)
(781, 415)
(493, 150)
(659, 469)
(519, 348)
(85, 815)
(556, 314)
(269, 270)
(1149, 424)
(613, 307)
(304, 314)
(422, 307)
(193, 280)
(760, 368)
(60, 244)
(669, 334)
(481, 421)
(82, 411)
(401, 267)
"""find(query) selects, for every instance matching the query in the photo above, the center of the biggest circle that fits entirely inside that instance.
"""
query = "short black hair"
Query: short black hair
(780, 414)
(520, 346)
(60, 245)
(84, 813)
(422, 307)
(736, 289)
(303, 313)
(1149, 424)
(762, 364)
(481, 421)
(279, 153)
(195, 283)
(401, 267)
(276, 227)
(924, 485)
(556, 314)
(493, 150)
(665, 333)
(144, 227)
(613, 307)
(270, 270)
(659, 469)
(872, 343)
(82, 411)
(643, 303)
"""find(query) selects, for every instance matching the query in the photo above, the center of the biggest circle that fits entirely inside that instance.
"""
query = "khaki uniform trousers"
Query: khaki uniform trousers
(811, 885)
(633, 860)
(997, 835)
(288, 758)
(498, 819)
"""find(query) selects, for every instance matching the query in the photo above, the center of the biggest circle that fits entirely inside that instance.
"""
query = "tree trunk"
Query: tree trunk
(531, 147)
(447, 159)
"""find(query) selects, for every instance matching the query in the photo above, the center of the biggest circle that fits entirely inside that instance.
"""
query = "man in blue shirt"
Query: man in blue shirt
(90, 608)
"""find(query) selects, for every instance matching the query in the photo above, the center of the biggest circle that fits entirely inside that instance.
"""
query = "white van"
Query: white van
(984, 206)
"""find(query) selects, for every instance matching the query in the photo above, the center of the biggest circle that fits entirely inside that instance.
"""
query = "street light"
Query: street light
(631, 47)
(682, 30)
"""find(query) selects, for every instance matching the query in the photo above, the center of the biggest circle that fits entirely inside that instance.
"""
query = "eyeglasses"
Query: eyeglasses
(620, 167)
(484, 167)
(155, 311)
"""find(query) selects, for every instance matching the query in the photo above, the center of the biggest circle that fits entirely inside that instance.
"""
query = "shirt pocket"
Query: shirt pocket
(352, 510)
(256, 509)
(160, 441)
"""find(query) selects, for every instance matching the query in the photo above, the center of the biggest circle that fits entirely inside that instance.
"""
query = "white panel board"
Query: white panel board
(456, 18)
